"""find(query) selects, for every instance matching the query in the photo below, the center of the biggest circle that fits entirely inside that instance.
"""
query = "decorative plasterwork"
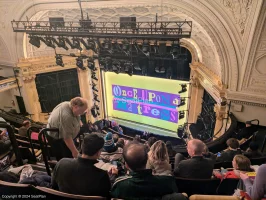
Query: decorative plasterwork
(240, 11)
(8, 84)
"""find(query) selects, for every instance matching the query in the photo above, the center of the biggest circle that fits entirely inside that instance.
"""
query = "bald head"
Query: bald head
(79, 105)
(195, 147)
(136, 156)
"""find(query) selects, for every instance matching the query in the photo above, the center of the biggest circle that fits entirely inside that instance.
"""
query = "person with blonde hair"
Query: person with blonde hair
(158, 159)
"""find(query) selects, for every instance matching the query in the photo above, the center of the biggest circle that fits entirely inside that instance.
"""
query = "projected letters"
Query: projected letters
(150, 103)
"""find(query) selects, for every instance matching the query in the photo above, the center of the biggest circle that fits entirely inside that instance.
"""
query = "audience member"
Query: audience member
(257, 189)
(120, 143)
(80, 176)
(247, 131)
(5, 143)
(158, 159)
(253, 150)
(229, 154)
(208, 154)
(170, 150)
(111, 151)
(196, 167)
(241, 164)
(66, 117)
(22, 131)
(141, 183)
(151, 141)
(115, 137)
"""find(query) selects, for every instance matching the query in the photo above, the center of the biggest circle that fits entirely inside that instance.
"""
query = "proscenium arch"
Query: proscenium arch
(194, 9)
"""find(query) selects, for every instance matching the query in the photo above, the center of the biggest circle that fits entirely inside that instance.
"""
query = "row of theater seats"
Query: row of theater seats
(15, 190)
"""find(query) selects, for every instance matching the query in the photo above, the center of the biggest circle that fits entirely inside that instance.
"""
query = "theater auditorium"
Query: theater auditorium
(138, 100)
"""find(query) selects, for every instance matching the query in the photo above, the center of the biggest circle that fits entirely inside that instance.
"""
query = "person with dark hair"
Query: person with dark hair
(22, 131)
(115, 137)
(141, 183)
(151, 141)
(229, 154)
(80, 176)
(111, 152)
(66, 117)
(253, 150)
(120, 143)
(170, 150)
(196, 167)
(247, 131)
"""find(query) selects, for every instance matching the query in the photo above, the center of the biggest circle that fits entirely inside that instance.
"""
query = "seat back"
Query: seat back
(197, 186)
(45, 147)
(53, 194)
(33, 142)
(219, 165)
(213, 197)
(8, 188)
(227, 186)
(258, 161)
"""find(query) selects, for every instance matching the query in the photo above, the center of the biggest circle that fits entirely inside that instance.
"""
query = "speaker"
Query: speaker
(128, 22)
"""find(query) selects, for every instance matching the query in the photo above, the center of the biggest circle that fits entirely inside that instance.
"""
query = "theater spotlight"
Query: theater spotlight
(184, 88)
(93, 76)
(97, 107)
(98, 112)
(175, 51)
(181, 114)
(116, 66)
(145, 46)
(76, 44)
(106, 44)
(125, 45)
(129, 68)
(96, 97)
(137, 67)
(49, 42)
(182, 102)
(35, 41)
(180, 131)
(91, 65)
(94, 87)
(61, 43)
(59, 60)
(169, 72)
(79, 63)
(94, 112)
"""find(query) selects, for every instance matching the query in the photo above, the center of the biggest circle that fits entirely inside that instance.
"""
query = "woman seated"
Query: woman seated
(240, 164)
(158, 159)
(257, 189)
(253, 151)
(111, 152)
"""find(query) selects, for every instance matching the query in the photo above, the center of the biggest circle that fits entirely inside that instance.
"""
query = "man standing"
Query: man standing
(81, 176)
(66, 117)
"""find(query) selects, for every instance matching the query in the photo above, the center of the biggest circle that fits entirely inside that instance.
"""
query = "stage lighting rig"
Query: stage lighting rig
(182, 102)
(97, 107)
(35, 41)
(94, 112)
(59, 60)
(116, 66)
(169, 72)
(76, 44)
(184, 88)
(137, 67)
(144, 70)
(93, 76)
(180, 131)
(49, 41)
(79, 63)
(160, 70)
(125, 45)
(181, 114)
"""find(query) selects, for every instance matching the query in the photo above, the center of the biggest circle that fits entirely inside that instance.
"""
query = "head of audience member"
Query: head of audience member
(120, 143)
(151, 141)
(248, 123)
(109, 145)
(135, 156)
(79, 106)
(137, 139)
(195, 147)
(26, 124)
(232, 143)
(114, 124)
(169, 145)
(115, 137)
(241, 163)
(253, 147)
(158, 152)
(92, 146)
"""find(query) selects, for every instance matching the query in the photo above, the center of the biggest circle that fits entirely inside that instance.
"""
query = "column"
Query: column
(220, 111)
(31, 98)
